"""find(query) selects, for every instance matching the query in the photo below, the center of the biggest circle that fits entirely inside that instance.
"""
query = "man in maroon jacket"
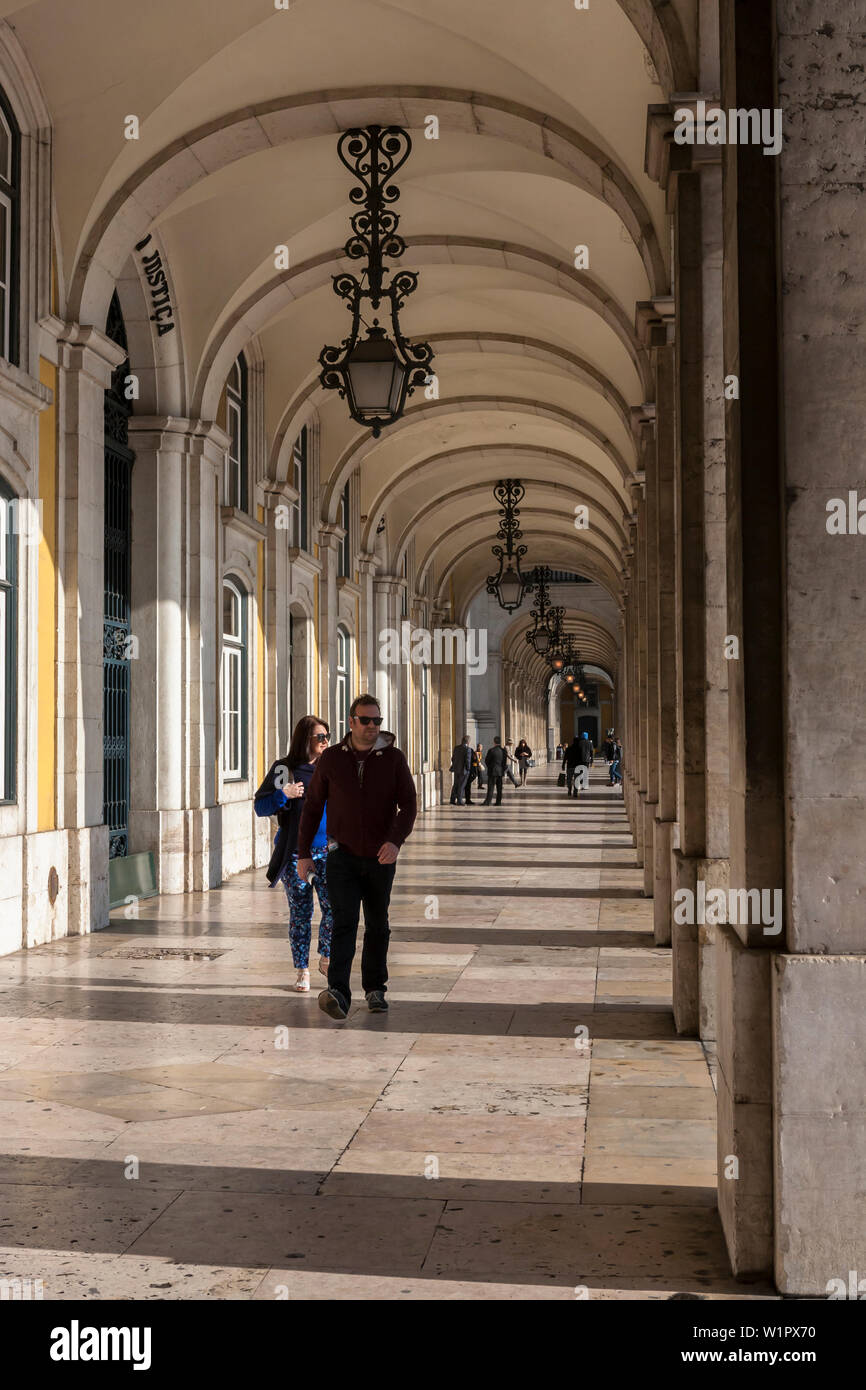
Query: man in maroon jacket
(366, 783)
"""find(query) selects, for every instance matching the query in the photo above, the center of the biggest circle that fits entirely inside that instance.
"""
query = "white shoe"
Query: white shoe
(324, 962)
(302, 983)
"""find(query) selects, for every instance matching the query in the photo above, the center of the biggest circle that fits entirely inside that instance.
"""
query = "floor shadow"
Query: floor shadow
(302, 1220)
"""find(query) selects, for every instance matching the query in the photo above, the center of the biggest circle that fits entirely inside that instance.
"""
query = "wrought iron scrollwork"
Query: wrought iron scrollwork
(374, 155)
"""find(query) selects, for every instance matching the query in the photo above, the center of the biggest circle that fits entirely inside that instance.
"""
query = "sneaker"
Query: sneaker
(333, 1004)
(376, 1001)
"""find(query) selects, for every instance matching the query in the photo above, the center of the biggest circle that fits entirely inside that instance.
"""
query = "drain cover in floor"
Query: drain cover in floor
(160, 953)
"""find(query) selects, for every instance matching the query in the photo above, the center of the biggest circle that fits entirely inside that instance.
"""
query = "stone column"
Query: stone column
(756, 504)
(174, 680)
(368, 637)
(86, 359)
(691, 177)
(330, 539)
(279, 498)
(818, 979)
(386, 593)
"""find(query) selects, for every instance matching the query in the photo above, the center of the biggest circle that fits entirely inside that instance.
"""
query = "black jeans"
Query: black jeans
(494, 784)
(351, 882)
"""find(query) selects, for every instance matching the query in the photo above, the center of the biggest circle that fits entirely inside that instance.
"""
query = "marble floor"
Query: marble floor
(524, 1124)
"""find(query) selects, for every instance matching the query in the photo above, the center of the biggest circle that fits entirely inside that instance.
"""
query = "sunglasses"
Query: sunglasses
(368, 719)
(321, 738)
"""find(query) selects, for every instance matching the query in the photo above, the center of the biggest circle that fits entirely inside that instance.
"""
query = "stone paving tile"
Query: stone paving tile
(531, 1241)
(456, 1175)
(98, 1276)
(369, 1234)
(282, 1155)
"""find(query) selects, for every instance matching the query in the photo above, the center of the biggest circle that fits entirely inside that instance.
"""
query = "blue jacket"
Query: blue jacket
(271, 800)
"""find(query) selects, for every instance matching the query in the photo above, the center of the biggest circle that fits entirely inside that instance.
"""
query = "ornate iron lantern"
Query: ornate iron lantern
(555, 655)
(509, 585)
(375, 374)
(541, 636)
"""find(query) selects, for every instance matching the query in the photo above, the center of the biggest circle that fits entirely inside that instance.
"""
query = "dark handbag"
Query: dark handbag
(560, 781)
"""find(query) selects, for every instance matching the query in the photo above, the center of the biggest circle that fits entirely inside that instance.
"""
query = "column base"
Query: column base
(649, 810)
(819, 1089)
(662, 840)
(88, 879)
(745, 1096)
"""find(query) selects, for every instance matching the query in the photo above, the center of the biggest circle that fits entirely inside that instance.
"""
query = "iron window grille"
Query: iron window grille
(236, 467)
(8, 642)
(10, 163)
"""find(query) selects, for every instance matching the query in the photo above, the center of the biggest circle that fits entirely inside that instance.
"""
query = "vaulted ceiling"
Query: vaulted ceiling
(541, 110)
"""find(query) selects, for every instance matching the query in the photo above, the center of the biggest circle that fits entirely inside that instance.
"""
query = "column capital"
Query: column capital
(82, 348)
(655, 321)
(665, 158)
(331, 536)
(368, 563)
(173, 432)
(388, 583)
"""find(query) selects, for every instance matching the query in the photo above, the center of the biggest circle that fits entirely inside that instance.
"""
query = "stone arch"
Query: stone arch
(507, 343)
(396, 485)
(281, 288)
(132, 210)
(363, 444)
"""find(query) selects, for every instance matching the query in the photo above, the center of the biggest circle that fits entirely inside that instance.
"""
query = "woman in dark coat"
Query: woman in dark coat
(523, 753)
(281, 794)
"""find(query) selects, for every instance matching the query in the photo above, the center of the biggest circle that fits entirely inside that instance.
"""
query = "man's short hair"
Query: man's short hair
(363, 700)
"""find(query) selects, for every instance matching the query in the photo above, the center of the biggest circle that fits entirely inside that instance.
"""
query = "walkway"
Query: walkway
(523, 1124)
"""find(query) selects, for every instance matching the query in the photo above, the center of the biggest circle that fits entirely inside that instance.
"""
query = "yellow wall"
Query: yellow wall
(47, 608)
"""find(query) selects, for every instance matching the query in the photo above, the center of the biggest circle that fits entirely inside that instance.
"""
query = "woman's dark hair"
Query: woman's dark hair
(299, 752)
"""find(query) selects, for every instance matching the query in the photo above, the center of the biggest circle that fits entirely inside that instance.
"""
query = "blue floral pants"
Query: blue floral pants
(300, 896)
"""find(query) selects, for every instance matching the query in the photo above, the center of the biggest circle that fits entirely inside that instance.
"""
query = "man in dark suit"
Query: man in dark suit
(497, 761)
(461, 766)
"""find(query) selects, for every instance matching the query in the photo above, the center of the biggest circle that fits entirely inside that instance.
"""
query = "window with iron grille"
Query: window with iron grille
(233, 691)
(236, 488)
(344, 650)
(117, 644)
(8, 641)
(425, 715)
(345, 570)
(10, 156)
(298, 533)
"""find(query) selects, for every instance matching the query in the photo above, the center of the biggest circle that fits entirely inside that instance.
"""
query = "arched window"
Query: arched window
(344, 651)
(10, 150)
(298, 531)
(346, 543)
(234, 682)
(404, 593)
(236, 487)
(8, 640)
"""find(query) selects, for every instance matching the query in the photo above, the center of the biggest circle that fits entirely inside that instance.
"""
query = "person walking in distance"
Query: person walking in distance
(616, 764)
(478, 773)
(510, 762)
(368, 788)
(496, 762)
(461, 768)
(523, 753)
(577, 754)
(281, 795)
